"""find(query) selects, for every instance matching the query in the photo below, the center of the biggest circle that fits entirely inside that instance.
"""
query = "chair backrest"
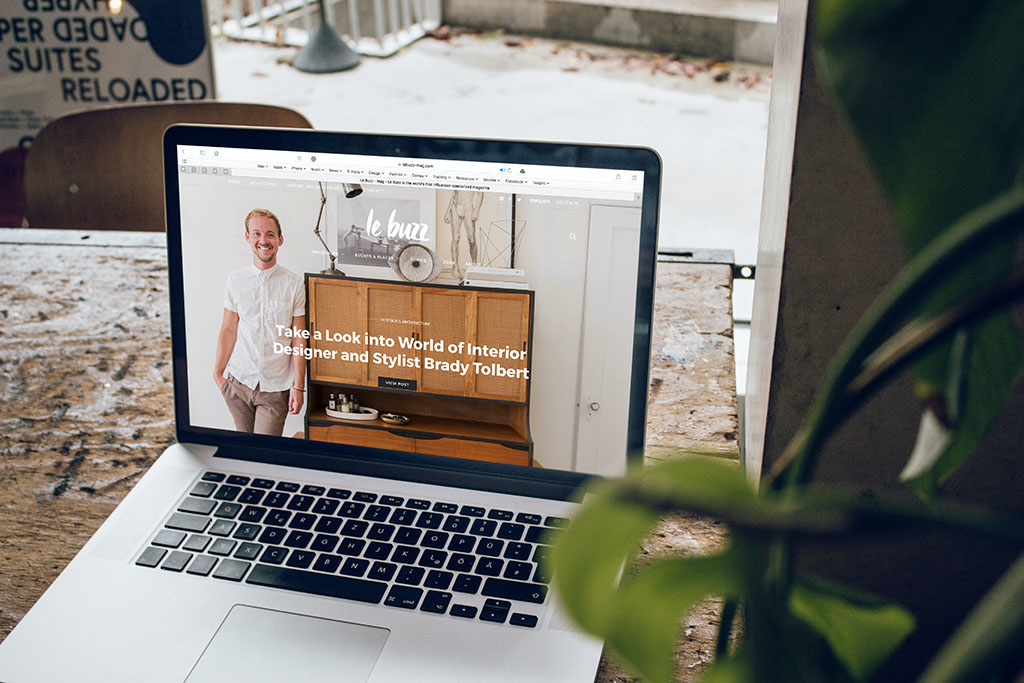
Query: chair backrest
(103, 169)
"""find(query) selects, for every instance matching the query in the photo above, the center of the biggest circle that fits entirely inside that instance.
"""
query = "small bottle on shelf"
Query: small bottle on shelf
(332, 404)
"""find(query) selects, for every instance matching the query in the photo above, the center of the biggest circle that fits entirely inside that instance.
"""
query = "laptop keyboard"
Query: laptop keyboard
(408, 553)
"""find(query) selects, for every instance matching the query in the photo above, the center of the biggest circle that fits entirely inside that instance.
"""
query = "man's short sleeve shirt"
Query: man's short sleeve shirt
(265, 301)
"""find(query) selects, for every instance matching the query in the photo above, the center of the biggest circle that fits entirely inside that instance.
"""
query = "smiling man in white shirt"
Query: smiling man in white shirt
(261, 387)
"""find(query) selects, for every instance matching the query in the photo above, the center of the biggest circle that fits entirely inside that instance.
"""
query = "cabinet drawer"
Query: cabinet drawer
(362, 436)
(473, 450)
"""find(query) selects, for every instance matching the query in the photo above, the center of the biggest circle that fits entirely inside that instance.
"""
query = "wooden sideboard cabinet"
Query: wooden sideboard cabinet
(455, 360)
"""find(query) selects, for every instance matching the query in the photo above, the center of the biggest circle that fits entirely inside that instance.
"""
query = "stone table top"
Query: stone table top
(85, 384)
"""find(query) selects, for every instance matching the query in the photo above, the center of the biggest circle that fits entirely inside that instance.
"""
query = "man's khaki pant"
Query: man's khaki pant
(255, 411)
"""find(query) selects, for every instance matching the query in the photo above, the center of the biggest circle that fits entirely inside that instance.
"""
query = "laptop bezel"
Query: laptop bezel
(430, 469)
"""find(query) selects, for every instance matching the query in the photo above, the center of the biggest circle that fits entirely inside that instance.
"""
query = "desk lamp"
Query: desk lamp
(351, 190)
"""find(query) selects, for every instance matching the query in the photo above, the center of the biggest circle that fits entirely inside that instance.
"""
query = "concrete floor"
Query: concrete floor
(708, 122)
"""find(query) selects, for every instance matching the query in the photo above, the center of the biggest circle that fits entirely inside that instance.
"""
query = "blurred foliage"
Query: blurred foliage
(932, 92)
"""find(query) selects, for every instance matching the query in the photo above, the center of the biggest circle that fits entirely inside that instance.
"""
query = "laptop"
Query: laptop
(396, 360)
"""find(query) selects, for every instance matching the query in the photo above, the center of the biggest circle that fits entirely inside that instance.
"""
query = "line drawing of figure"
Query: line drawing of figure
(464, 206)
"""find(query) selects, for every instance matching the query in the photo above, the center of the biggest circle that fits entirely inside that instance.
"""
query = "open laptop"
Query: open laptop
(476, 351)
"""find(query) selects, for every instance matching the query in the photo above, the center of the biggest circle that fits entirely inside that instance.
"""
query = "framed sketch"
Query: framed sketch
(473, 228)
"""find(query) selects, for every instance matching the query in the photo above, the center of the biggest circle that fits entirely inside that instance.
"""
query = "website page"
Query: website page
(472, 310)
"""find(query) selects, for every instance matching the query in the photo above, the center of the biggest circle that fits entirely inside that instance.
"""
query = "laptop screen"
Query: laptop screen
(486, 303)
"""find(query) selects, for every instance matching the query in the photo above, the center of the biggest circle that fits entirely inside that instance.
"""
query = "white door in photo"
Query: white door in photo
(607, 348)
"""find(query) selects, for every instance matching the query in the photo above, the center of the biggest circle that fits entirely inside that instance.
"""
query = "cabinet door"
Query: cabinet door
(337, 307)
(392, 315)
(501, 324)
(445, 314)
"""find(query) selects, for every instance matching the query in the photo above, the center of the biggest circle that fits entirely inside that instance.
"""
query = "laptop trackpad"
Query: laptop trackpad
(255, 644)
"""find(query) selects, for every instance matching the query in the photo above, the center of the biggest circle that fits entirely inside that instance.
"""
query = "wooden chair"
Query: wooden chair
(103, 170)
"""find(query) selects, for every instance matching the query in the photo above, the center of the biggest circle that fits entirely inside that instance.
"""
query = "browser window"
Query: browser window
(472, 310)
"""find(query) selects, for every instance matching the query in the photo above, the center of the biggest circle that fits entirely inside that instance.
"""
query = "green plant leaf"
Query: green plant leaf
(587, 560)
(861, 630)
(992, 632)
(649, 606)
(924, 87)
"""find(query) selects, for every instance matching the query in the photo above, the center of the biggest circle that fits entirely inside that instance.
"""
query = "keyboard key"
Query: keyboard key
(287, 486)
(446, 508)
(410, 575)
(274, 555)
(429, 520)
(222, 527)
(318, 584)
(405, 597)
(151, 556)
(223, 546)
(365, 497)
(328, 525)
(262, 483)
(377, 513)
(253, 514)
(328, 563)
(325, 506)
(351, 509)
(436, 602)
(457, 525)
(460, 562)
(198, 506)
(276, 499)
(227, 492)
(438, 579)
(559, 522)
(510, 531)
(228, 510)
(298, 539)
(351, 546)
(248, 551)
(391, 500)
(501, 515)
(525, 518)
(403, 517)
(467, 583)
(514, 590)
(238, 480)
(203, 489)
(408, 536)
(418, 504)
(434, 539)
(231, 570)
(433, 558)
(186, 522)
(462, 543)
(300, 559)
(491, 547)
(311, 490)
(540, 534)
(381, 532)
(252, 496)
(378, 550)
(527, 620)
(518, 551)
(471, 511)
(483, 527)
(518, 571)
(169, 539)
(196, 543)
(382, 571)
(301, 503)
(213, 476)
(405, 554)
(273, 535)
(489, 566)
(324, 543)
(465, 611)
(355, 528)
(202, 565)
(355, 567)
(303, 521)
(496, 611)
(340, 494)
(246, 532)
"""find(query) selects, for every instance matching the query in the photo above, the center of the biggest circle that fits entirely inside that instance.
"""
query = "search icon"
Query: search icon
(572, 236)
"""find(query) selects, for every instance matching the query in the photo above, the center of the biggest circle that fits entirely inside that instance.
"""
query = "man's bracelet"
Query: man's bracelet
(299, 389)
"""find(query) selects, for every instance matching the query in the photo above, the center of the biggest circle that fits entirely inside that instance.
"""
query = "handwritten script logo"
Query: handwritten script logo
(412, 231)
